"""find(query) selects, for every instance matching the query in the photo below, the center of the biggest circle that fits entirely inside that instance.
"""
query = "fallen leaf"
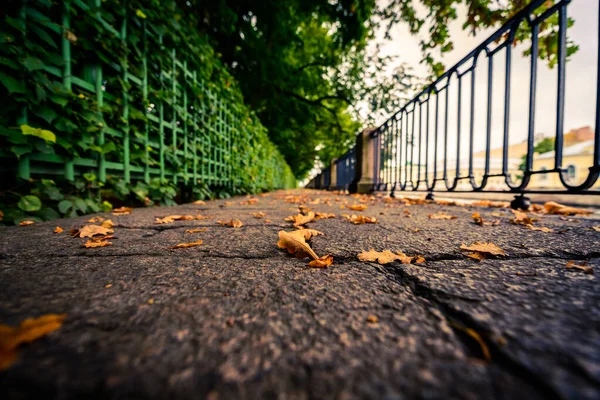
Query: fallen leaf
(258, 214)
(122, 211)
(584, 268)
(552, 207)
(321, 262)
(407, 213)
(596, 228)
(493, 204)
(186, 245)
(171, 218)
(268, 221)
(196, 230)
(320, 215)
(372, 319)
(97, 243)
(383, 257)
(358, 207)
(441, 215)
(151, 301)
(419, 260)
(25, 223)
(361, 219)
(300, 219)
(27, 331)
(521, 218)
(478, 220)
(199, 202)
(542, 228)
(58, 229)
(234, 223)
(91, 230)
(480, 250)
(94, 220)
(306, 233)
(295, 243)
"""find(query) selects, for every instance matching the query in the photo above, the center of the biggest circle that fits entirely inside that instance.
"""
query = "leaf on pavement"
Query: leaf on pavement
(358, 207)
(28, 331)
(300, 219)
(94, 220)
(196, 230)
(384, 257)
(321, 262)
(306, 233)
(596, 228)
(171, 218)
(107, 224)
(258, 214)
(27, 222)
(295, 243)
(553, 207)
(320, 215)
(478, 220)
(480, 250)
(541, 228)
(122, 211)
(186, 245)
(199, 202)
(492, 204)
(441, 215)
(521, 218)
(97, 243)
(91, 230)
(584, 267)
(234, 223)
(58, 229)
(361, 219)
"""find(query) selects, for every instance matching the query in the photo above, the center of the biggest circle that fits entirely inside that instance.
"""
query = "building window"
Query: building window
(543, 177)
(571, 171)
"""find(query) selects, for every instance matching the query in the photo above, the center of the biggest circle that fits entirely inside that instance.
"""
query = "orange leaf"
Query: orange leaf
(196, 230)
(361, 219)
(91, 230)
(480, 250)
(25, 223)
(372, 319)
(94, 220)
(382, 257)
(321, 262)
(97, 243)
(319, 215)
(584, 268)
(295, 243)
(358, 207)
(122, 211)
(234, 223)
(300, 219)
(441, 215)
(596, 228)
(552, 207)
(28, 331)
(186, 245)
(58, 229)
(258, 214)
(199, 202)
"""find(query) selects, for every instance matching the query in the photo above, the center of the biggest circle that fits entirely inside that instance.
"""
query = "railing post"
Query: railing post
(333, 172)
(365, 165)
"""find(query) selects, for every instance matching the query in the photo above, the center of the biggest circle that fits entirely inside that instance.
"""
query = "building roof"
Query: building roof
(575, 150)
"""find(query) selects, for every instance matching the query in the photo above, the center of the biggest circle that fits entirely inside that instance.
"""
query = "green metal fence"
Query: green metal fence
(152, 102)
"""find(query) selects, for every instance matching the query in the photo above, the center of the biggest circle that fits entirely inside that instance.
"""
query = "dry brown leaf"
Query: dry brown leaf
(478, 220)
(58, 229)
(584, 268)
(201, 217)
(521, 218)
(441, 215)
(493, 204)
(27, 331)
(382, 257)
(372, 319)
(196, 230)
(596, 228)
(480, 250)
(295, 244)
(199, 202)
(107, 224)
(542, 228)
(306, 233)
(25, 223)
(320, 215)
(407, 213)
(186, 245)
(258, 214)
(419, 260)
(321, 262)
(553, 207)
(361, 219)
(268, 221)
(97, 243)
(300, 219)
(358, 207)
(91, 230)
(234, 223)
(122, 211)
(94, 220)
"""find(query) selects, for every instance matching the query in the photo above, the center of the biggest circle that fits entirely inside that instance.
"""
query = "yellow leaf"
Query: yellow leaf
(300, 219)
(295, 243)
(321, 262)
(441, 215)
(28, 331)
(584, 268)
(196, 230)
(140, 14)
(552, 207)
(91, 230)
(234, 223)
(97, 243)
(58, 229)
(358, 207)
(186, 245)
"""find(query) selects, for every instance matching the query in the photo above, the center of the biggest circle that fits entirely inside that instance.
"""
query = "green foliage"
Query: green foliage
(543, 146)
(154, 108)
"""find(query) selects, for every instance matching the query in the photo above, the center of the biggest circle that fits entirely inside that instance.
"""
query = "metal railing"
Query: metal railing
(345, 169)
(412, 150)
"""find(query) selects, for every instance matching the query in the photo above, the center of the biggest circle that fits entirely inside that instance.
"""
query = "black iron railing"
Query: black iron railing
(345, 169)
(412, 150)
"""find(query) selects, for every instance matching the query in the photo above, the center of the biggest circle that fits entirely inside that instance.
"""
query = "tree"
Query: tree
(543, 146)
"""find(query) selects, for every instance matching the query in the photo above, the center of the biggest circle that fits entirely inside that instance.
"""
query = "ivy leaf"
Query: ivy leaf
(61, 101)
(30, 203)
(108, 147)
(80, 204)
(11, 84)
(46, 113)
(33, 63)
(19, 150)
(64, 206)
(37, 132)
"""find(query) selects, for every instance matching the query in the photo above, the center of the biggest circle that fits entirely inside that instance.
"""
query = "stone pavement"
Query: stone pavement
(237, 317)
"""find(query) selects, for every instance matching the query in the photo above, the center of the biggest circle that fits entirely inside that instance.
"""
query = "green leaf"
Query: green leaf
(19, 150)
(89, 177)
(64, 206)
(80, 204)
(33, 63)
(108, 147)
(48, 214)
(106, 206)
(61, 101)
(140, 14)
(45, 113)
(30, 203)
(37, 132)
(11, 84)
(53, 193)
